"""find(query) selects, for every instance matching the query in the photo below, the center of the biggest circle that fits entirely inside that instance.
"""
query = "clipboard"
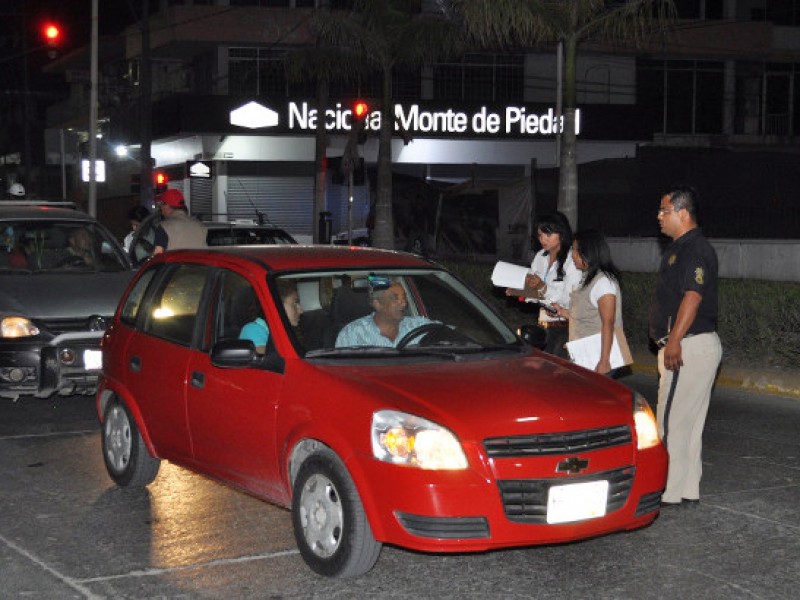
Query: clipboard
(586, 351)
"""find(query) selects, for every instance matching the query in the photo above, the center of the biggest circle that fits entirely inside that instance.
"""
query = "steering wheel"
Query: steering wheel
(421, 330)
(71, 261)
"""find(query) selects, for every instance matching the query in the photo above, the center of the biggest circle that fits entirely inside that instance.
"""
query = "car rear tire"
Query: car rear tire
(330, 525)
(125, 454)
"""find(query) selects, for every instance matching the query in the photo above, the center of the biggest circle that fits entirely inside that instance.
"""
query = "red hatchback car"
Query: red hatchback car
(374, 394)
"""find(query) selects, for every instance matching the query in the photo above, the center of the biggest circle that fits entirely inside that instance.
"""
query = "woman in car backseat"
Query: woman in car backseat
(256, 330)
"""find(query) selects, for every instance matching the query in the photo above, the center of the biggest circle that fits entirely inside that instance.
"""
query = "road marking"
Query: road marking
(74, 584)
(203, 565)
(47, 435)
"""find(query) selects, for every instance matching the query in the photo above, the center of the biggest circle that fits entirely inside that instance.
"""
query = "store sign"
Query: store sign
(517, 121)
(200, 169)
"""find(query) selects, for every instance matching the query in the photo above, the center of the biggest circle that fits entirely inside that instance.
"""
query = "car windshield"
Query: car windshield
(244, 235)
(391, 313)
(68, 246)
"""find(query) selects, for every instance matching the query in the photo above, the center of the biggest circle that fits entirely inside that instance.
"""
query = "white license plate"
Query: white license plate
(93, 360)
(577, 501)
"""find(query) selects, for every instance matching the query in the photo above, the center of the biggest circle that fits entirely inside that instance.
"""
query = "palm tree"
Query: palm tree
(571, 22)
(388, 35)
(321, 63)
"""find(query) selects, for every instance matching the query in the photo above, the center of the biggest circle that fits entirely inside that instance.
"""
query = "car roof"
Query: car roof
(57, 211)
(293, 257)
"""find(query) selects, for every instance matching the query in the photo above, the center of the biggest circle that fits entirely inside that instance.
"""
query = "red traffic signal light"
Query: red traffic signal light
(360, 110)
(51, 33)
(160, 181)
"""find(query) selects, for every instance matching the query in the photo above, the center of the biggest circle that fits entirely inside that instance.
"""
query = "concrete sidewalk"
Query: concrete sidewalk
(763, 379)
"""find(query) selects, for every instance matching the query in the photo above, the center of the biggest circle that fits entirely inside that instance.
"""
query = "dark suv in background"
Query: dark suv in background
(61, 276)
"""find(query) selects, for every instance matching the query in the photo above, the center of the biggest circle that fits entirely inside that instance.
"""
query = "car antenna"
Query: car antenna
(259, 213)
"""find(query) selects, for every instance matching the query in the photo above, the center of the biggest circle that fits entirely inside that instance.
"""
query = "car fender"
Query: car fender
(106, 391)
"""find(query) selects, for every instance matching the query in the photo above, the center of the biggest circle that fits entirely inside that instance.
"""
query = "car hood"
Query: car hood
(62, 295)
(514, 396)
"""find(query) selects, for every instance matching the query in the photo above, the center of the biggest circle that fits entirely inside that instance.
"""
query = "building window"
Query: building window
(256, 72)
(684, 97)
(480, 78)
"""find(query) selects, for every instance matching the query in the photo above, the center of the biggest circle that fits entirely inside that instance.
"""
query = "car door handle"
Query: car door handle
(136, 364)
(198, 379)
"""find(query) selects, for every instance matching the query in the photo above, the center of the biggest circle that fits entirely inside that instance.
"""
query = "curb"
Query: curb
(762, 380)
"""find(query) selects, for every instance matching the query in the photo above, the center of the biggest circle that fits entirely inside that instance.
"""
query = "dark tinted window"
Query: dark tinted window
(172, 313)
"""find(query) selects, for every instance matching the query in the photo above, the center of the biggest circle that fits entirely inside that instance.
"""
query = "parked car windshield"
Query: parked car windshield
(238, 235)
(68, 246)
(391, 312)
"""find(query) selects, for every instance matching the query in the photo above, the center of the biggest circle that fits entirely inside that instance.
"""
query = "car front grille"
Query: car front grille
(525, 500)
(648, 503)
(557, 443)
(447, 528)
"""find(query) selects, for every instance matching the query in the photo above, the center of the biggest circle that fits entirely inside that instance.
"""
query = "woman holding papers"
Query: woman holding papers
(596, 305)
(553, 276)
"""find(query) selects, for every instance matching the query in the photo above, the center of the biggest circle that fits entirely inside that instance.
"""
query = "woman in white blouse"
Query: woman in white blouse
(552, 278)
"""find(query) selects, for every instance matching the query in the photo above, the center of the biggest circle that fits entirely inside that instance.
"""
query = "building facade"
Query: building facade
(724, 77)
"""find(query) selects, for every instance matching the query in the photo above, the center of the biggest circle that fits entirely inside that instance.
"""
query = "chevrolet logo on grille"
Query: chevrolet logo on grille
(572, 465)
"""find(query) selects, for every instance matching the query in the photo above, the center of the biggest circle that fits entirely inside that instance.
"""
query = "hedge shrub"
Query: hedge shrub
(759, 320)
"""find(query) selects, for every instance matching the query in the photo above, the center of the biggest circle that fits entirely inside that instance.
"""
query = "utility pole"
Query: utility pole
(93, 117)
(145, 104)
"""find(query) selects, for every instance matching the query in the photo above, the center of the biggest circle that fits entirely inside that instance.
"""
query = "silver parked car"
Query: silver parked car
(61, 276)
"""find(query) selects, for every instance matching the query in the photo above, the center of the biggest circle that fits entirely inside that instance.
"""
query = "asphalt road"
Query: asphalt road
(67, 532)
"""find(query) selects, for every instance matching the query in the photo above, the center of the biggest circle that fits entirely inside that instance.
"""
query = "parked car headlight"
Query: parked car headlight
(404, 439)
(646, 427)
(17, 327)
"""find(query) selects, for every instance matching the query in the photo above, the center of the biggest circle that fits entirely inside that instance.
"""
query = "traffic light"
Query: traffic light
(160, 181)
(360, 113)
(360, 110)
(53, 37)
(51, 34)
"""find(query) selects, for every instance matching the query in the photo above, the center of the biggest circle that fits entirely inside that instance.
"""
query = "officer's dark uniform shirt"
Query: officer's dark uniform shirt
(689, 264)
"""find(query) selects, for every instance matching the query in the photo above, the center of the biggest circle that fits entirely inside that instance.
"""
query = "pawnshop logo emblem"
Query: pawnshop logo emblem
(254, 116)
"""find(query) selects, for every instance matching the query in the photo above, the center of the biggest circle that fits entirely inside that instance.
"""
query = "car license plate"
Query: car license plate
(93, 360)
(577, 501)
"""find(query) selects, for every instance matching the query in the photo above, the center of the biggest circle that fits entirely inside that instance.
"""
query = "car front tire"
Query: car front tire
(125, 454)
(330, 525)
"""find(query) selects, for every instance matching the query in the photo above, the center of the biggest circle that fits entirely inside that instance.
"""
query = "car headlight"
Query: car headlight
(404, 439)
(17, 327)
(646, 427)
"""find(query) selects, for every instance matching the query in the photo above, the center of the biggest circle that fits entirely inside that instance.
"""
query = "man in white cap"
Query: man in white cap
(177, 230)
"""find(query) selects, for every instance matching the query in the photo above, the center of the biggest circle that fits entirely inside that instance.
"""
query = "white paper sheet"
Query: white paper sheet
(586, 352)
(509, 275)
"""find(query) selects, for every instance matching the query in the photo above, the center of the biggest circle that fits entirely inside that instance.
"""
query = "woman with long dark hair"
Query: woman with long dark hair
(553, 276)
(595, 305)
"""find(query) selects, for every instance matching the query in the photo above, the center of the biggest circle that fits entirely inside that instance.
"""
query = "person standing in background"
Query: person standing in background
(136, 215)
(683, 324)
(552, 278)
(177, 230)
(596, 304)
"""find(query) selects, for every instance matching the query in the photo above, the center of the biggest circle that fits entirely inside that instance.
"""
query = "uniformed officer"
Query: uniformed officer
(178, 229)
(683, 323)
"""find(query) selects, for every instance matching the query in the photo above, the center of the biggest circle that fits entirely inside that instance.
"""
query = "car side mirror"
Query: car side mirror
(233, 354)
(533, 336)
(239, 354)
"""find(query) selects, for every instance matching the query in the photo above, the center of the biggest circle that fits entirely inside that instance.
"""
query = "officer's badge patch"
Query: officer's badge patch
(671, 260)
(699, 274)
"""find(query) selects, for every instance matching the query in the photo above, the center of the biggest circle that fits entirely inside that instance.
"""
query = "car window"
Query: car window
(130, 311)
(236, 305)
(453, 316)
(172, 313)
(239, 236)
(67, 246)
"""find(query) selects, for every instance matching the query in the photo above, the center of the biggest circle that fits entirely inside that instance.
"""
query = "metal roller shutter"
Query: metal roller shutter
(287, 202)
(200, 196)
